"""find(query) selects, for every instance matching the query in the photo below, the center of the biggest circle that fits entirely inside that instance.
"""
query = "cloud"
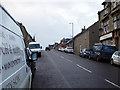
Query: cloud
(49, 19)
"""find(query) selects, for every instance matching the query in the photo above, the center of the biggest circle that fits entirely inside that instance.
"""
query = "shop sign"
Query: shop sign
(106, 36)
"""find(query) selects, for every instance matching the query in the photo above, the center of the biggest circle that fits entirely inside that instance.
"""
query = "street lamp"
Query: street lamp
(72, 34)
(72, 28)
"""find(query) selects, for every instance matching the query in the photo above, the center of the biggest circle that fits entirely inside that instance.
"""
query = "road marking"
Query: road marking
(68, 60)
(112, 83)
(62, 57)
(84, 68)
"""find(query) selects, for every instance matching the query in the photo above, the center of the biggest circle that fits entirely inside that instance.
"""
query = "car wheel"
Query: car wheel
(89, 57)
(98, 59)
(111, 62)
(83, 56)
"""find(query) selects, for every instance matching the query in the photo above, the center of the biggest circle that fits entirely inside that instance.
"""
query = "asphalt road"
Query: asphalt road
(62, 70)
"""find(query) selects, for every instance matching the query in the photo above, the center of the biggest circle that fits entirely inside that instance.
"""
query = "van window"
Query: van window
(34, 46)
(109, 48)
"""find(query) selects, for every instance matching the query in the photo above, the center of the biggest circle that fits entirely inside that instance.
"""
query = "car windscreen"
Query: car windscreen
(109, 49)
(118, 53)
(97, 48)
(69, 48)
(34, 46)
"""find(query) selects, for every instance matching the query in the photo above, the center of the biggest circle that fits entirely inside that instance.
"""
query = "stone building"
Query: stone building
(27, 37)
(109, 18)
(87, 38)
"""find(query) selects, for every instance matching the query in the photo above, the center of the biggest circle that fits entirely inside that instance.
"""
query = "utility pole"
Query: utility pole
(72, 33)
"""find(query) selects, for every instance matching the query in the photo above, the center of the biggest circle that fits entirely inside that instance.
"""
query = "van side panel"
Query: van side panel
(13, 68)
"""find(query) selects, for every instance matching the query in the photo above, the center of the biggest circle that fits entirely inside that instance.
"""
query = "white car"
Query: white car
(60, 49)
(69, 49)
(35, 47)
(116, 58)
(14, 71)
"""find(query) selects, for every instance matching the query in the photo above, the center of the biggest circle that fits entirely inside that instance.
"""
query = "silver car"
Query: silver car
(116, 58)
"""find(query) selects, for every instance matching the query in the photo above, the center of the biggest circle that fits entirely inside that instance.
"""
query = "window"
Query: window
(34, 46)
(97, 48)
(115, 25)
(109, 48)
(118, 53)
(116, 21)
(106, 11)
(106, 26)
(115, 3)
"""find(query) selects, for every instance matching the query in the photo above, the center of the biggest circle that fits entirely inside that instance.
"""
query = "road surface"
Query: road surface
(62, 70)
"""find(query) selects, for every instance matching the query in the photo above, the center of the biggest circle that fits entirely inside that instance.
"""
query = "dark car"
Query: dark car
(102, 52)
(47, 48)
(85, 52)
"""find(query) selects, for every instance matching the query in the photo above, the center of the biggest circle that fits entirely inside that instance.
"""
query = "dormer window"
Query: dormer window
(105, 6)
(115, 3)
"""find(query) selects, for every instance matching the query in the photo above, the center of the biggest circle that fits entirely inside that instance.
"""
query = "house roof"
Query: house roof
(83, 31)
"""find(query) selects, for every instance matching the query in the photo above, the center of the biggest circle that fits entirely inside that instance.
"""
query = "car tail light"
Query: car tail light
(84, 51)
(102, 52)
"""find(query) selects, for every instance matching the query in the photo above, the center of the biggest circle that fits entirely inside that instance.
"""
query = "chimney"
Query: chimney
(83, 29)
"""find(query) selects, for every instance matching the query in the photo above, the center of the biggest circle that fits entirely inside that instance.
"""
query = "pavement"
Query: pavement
(57, 69)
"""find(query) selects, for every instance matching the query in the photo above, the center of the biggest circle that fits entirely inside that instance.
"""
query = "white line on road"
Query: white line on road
(112, 83)
(65, 59)
(68, 60)
(84, 68)
(62, 57)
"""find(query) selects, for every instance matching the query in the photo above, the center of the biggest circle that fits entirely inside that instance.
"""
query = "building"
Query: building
(56, 46)
(109, 18)
(64, 41)
(27, 37)
(87, 38)
(70, 43)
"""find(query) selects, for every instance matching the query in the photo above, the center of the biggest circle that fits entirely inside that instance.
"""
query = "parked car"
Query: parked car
(85, 52)
(62, 49)
(35, 47)
(116, 58)
(102, 52)
(69, 49)
(47, 48)
(14, 71)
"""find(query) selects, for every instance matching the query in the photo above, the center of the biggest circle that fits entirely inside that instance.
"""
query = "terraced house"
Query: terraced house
(109, 18)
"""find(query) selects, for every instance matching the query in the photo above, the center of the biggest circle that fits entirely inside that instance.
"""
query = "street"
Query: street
(63, 70)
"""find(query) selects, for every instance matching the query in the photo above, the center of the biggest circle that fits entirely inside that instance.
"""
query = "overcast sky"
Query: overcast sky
(49, 20)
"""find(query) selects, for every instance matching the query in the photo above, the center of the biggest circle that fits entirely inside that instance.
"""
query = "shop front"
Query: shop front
(107, 39)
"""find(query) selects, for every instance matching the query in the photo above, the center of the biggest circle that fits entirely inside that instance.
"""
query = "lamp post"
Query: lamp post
(72, 33)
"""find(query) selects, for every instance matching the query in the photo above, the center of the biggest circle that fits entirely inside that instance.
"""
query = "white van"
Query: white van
(35, 47)
(14, 72)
